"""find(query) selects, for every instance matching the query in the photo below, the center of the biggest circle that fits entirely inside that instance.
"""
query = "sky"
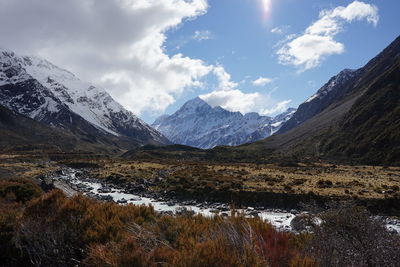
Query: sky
(244, 55)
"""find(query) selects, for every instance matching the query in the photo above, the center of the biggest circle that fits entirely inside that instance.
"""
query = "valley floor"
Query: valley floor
(87, 232)
(284, 186)
(320, 179)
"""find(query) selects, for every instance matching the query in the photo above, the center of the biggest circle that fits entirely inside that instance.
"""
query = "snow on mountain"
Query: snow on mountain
(337, 87)
(198, 124)
(339, 79)
(40, 90)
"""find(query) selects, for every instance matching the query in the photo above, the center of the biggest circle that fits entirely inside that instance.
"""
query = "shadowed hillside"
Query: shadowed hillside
(19, 133)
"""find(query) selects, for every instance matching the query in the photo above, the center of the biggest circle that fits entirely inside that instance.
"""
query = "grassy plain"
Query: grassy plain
(321, 179)
(317, 178)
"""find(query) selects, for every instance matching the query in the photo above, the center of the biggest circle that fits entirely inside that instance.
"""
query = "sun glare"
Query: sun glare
(266, 4)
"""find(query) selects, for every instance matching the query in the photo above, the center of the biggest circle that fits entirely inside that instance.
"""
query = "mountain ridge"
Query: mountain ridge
(361, 126)
(21, 133)
(200, 125)
(40, 90)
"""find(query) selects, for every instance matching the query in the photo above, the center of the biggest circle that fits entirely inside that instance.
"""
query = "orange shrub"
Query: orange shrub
(20, 190)
(58, 231)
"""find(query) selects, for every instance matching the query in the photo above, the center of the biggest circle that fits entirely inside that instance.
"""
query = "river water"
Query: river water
(278, 218)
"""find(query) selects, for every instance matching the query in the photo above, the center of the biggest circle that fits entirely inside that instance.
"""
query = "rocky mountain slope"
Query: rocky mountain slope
(46, 93)
(335, 88)
(198, 124)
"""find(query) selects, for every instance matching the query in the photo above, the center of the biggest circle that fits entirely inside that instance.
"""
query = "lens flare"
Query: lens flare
(266, 4)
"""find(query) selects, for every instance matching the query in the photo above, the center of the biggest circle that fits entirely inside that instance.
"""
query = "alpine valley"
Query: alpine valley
(85, 182)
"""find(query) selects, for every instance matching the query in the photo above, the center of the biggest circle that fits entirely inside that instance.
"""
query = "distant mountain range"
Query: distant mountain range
(354, 117)
(198, 124)
(36, 88)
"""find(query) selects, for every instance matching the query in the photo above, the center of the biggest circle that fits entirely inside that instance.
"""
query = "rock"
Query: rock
(122, 201)
(184, 211)
(104, 190)
(91, 194)
(105, 198)
(80, 186)
(302, 222)
(253, 213)
(293, 211)
(171, 203)
(223, 208)
(140, 181)
(141, 188)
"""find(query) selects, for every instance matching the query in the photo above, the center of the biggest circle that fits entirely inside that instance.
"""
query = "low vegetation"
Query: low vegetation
(282, 185)
(49, 229)
(370, 182)
(53, 230)
(349, 236)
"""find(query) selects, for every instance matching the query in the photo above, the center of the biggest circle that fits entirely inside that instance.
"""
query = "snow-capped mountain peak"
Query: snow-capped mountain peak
(54, 89)
(195, 105)
(198, 124)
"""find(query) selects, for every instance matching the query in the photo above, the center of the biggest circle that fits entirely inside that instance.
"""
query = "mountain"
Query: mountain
(335, 88)
(198, 124)
(356, 120)
(21, 133)
(46, 93)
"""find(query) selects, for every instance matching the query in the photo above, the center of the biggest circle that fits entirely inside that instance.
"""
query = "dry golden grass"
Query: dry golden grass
(321, 179)
(327, 180)
(24, 166)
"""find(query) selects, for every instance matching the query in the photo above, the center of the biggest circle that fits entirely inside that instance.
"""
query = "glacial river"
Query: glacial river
(278, 218)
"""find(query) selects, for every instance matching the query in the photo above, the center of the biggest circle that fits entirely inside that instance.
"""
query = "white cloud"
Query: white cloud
(280, 29)
(117, 44)
(277, 30)
(224, 78)
(317, 42)
(261, 81)
(278, 108)
(358, 11)
(232, 100)
(202, 35)
(284, 40)
(236, 100)
(308, 50)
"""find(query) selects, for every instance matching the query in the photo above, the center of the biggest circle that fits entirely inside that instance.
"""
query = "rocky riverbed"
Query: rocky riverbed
(73, 181)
